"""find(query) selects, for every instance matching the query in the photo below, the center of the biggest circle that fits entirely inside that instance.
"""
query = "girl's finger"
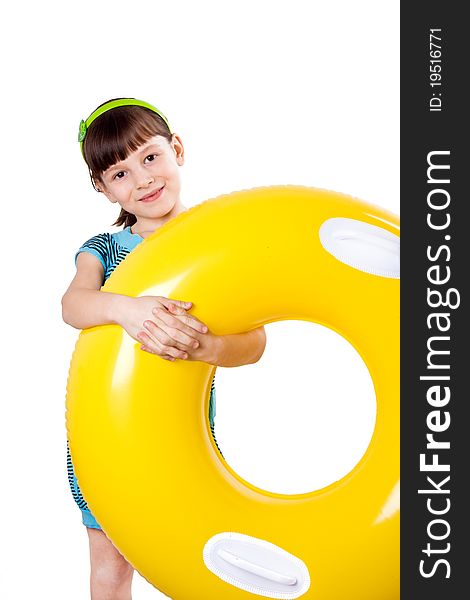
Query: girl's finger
(164, 356)
(150, 351)
(169, 336)
(175, 309)
(189, 321)
(160, 349)
(157, 334)
(193, 322)
(174, 352)
(176, 328)
(149, 344)
(180, 305)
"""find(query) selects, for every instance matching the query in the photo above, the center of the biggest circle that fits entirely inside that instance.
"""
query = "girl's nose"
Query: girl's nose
(145, 181)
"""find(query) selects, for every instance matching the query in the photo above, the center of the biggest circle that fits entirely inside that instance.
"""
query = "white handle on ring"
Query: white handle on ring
(246, 565)
(363, 246)
(373, 240)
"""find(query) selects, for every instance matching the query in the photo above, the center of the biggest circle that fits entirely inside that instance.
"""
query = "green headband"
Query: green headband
(109, 106)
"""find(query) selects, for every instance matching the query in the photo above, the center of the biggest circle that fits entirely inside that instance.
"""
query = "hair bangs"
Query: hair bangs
(119, 132)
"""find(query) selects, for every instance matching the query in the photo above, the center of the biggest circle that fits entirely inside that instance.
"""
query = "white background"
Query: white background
(262, 93)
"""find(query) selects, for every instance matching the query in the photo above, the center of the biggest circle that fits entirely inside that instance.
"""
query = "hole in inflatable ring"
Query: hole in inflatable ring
(302, 417)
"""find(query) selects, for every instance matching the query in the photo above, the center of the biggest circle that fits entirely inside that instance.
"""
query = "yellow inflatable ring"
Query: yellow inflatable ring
(138, 426)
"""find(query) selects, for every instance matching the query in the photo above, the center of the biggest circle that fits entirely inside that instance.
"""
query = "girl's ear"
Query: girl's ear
(96, 184)
(109, 196)
(178, 148)
(101, 187)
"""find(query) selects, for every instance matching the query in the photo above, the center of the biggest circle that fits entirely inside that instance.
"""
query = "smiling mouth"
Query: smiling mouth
(153, 196)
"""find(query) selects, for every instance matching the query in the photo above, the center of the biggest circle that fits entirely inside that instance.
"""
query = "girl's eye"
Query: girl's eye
(119, 175)
(150, 157)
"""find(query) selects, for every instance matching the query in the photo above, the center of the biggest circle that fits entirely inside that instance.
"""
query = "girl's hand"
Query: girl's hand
(167, 337)
(202, 344)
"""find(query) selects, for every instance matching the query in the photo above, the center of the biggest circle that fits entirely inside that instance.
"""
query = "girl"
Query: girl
(133, 159)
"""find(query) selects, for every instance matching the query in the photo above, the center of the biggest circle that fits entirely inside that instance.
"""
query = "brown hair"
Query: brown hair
(114, 135)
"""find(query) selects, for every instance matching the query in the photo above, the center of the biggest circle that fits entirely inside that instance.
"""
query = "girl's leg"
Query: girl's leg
(111, 574)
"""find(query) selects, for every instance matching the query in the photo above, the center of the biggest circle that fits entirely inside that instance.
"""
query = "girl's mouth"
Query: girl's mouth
(153, 196)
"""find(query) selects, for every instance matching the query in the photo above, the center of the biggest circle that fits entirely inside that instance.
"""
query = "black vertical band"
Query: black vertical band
(435, 329)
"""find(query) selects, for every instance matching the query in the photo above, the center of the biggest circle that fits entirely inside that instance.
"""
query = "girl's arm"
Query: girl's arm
(221, 350)
(85, 305)
(237, 349)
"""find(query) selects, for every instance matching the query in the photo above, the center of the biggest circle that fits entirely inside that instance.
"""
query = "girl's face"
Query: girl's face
(147, 183)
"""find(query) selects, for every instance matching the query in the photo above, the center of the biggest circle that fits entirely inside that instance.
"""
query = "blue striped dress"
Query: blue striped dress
(111, 249)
